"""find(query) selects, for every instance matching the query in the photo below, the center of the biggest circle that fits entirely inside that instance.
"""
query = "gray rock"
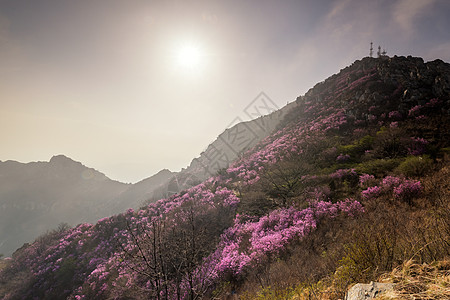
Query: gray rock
(363, 291)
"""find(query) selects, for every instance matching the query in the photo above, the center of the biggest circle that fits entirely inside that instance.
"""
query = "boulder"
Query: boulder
(363, 291)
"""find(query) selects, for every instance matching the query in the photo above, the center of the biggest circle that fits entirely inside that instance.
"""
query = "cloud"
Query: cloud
(339, 8)
(406, 12)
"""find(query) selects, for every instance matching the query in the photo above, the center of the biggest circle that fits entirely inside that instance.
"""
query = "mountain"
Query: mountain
(147, 190)
(36, 197)
(351, 184)
(226, 148)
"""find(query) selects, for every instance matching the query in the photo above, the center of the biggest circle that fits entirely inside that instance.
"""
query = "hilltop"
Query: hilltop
(352, 182)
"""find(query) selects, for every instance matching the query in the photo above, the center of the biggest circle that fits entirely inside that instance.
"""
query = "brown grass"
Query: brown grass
(419, 281)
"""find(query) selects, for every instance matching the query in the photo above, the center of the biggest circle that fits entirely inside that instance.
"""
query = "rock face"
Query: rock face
(363, 291)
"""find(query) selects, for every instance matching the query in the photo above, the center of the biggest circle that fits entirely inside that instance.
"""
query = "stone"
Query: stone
(363, 291)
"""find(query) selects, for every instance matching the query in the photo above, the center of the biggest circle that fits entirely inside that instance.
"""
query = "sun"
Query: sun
(189, 56)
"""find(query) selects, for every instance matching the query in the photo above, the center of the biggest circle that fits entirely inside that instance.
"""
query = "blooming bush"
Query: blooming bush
(393, 125)
(343, 158)
(395, 115)
(418, 146)
(414, 110)
(248, 243)
(343, 174)
(371, 192)
(366, 180)
(390, 182)
(408, 189)
(403, 189)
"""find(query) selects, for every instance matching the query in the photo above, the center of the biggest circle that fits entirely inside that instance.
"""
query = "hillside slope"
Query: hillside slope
(37, 197)
(353, 182)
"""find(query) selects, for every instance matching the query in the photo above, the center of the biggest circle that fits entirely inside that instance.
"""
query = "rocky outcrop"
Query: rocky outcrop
(363, 291)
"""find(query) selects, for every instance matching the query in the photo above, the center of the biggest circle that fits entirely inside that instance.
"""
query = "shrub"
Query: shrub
(357, 148)
(343, 174)
(255, 203)
(408, 190)
(378, 167)
(391, 142)
(418, 146)
(343, 158)
(414, 166)
(366, 180)
(371, 192)
(395, 115)
(390, 182)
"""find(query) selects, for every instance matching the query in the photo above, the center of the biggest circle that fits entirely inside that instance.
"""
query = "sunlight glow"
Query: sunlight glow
(189, 56)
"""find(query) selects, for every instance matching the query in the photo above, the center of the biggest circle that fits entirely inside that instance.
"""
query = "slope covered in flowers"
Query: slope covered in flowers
(363, 137)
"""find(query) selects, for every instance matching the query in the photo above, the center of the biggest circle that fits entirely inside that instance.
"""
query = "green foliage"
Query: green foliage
(363, 258)
(444, 151)
(274, 293)
(358, 147)
(283, 181)
(366, 142)
(66, 273)
(414, 166)
(390, 143)
(378, 167)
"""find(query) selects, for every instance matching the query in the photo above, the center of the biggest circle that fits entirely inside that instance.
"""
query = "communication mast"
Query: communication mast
(371, 49)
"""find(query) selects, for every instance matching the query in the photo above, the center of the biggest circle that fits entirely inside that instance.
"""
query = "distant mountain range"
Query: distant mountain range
(38, 196)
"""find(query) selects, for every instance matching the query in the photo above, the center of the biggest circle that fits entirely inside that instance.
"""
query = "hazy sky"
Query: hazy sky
(102, 81)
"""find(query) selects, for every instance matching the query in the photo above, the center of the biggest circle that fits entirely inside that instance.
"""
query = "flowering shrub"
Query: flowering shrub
(390, 182)
(433, 102)
(414, 110)
(343, 174)
(400, 188)
(318, 194)
(395, 115)
(248, 243)
(371, 192)
(408, 189)
(343, 158)
(365, 180)
(418, 146)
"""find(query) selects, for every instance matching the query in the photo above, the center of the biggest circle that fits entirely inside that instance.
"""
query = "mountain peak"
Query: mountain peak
(60, 159)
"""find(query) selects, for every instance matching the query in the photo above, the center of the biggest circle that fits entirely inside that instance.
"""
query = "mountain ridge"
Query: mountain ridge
(61, 169)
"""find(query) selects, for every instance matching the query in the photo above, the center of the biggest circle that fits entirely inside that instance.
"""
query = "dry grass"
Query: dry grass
(419, 281)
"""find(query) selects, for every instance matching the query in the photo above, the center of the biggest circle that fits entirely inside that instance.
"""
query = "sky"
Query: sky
(132, 87)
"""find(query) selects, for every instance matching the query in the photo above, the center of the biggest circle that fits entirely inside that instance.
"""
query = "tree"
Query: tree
(166, 254)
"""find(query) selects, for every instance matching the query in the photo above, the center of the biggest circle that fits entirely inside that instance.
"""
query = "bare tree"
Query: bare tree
(169, 251)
